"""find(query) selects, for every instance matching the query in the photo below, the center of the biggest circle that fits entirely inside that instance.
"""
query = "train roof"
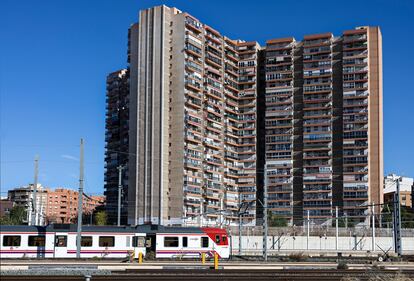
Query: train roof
(22, 228)
(146, 228)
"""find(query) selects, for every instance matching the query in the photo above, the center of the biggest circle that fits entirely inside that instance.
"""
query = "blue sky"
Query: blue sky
(54, 57)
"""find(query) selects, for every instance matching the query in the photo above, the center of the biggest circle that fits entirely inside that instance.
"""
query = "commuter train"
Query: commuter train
(59, 241)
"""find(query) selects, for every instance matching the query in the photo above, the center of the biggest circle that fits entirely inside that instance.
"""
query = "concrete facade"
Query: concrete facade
(195, 121)
(149, 64)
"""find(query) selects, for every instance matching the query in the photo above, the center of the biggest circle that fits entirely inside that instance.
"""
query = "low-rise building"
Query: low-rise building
(406, 189)
(23, 196)
(63, 205)
(53, 206)
(5, 207)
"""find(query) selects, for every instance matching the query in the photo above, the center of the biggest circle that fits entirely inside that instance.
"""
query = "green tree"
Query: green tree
(275, 220)
(100, 218)
(18, 215)
(5, 220)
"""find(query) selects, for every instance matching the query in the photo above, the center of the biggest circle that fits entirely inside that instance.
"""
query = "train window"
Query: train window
(170, 241)
(11, 241)
(185, 242)
(138, 241)
(86, 241)
(61, 241)
(106, 241)
(217, 239)
(224, 238)
(204, 242)
(37, 241)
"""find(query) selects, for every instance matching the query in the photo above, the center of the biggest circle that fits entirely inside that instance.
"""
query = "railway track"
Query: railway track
(228, 275)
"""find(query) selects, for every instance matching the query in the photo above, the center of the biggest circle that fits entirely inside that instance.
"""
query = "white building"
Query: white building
(406, 188)
(23, 196)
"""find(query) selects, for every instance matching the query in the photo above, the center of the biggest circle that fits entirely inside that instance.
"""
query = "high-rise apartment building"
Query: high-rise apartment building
(323, 124)
(208, 116)
(362, 119)
(193, 105)
(117, 143)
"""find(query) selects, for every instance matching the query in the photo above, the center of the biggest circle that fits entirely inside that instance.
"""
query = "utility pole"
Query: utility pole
(373, 226)
(397, 221)
(337, 228)
(34, 200)
(120, 168)
(265, 220)
(80, 205)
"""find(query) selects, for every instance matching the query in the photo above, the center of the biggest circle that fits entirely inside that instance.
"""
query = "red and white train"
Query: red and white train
(59, 241)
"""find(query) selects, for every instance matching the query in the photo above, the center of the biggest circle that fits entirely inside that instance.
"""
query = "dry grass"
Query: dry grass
(298, 257)
(376, 276)
(349, 278)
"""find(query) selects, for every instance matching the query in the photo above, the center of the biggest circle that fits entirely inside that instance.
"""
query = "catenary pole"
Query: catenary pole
(80, 205)
(336, 228)
(34, 220)
(373, 227)
(265, 220)
(397, 220)
(307, 230)
(120, 168)
(240, 237)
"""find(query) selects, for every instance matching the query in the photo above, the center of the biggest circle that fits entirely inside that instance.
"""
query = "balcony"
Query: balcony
(193, 190)
(355, 93)
(356, 37)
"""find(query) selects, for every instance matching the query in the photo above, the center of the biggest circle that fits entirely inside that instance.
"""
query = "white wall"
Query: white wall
(253, 244)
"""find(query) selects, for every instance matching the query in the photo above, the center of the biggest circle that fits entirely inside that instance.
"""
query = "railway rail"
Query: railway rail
(239, 275)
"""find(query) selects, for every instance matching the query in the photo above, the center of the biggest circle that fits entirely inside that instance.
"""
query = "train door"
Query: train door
(151, 243)
(61, 245)
(138, 243)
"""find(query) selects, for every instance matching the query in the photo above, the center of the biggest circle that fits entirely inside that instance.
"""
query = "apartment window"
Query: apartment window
(170, 241)
(86, 241)
(11, 240)
(37, 241)
(204, 242)
(106, 241)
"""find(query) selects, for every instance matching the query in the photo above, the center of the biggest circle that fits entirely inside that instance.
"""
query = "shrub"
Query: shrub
(297, 257)
(342, 265)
